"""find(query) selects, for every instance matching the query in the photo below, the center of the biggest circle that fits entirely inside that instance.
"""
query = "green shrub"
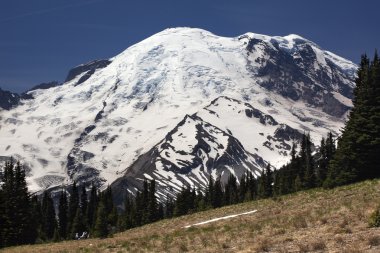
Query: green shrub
(374, 220)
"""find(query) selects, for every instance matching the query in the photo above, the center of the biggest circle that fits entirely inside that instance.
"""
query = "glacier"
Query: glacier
(262, 91)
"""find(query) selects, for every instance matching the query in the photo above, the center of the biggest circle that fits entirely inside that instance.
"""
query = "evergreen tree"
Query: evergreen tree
(209, 198)
(160, 211)
(73, 206)
(200, 201)
(324, 156)
(321, 163)
(298, 184)
(152, 202)
(218, 195)
(84, 203)
(276, 183)
(308, 164)
(92, 206)
(181, 204)
(169, 207)
(127, 219)
(330, 147)
(268, 182)
(9, 229)
(101, 225)
(265, 187)
(243, 187)
(27, 233)
(356, 157)
(16, 214)
(56, 236)
(110, 208)
(35, 217)
(252, 185)
(78, 226)
(231, 192)
(144, 201)
(292, 171)
(62, 215)
(137, 217)
(48, 217)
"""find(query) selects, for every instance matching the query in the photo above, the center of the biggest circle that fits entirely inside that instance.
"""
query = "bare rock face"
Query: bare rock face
(88, 69)
(8, 100)
(298, 69)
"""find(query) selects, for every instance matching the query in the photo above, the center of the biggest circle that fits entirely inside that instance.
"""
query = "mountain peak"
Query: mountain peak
(110, 112)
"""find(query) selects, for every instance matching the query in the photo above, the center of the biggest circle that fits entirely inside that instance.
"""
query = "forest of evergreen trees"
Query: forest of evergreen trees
(353, 157)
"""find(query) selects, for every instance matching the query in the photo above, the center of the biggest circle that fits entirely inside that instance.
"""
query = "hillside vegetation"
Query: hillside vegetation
(317, 220)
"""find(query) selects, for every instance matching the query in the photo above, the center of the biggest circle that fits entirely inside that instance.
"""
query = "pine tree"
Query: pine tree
(268, 182)
(9, 229)
(107, 199)
(261, 190)
(152, 202)
(144, 200)
(292, 171)
(324, 156)
(230, 191)
(301, 165)
(209, 198)
(84, 202)
(265, 186)
(200, 201)
(137, 216)
(101, 225)
(17, 224)
(73, 206)
(276, 183)
(56, 236)
(181, 204)
(243, 187)
(35, 217)
(218, 194)
(78, 226)
(356, 157)
(62, 215)
(252, 185)
(92, 206)
(169, 207)
(308, 164)
(127, 219)
(25, 224)
(330, 147)
(298, 183)
(160, 211)
(321, 163)
(48, 217)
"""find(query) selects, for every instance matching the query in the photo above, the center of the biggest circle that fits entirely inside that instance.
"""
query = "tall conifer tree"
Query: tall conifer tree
(62, 215)
(356, 157)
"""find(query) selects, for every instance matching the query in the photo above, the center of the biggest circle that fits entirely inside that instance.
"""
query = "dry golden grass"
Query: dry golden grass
(313, 221)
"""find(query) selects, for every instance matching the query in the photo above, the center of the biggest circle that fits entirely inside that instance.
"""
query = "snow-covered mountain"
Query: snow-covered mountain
(179, 106)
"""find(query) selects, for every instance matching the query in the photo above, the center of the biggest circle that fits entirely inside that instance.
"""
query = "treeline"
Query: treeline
(81, 215)
(304, 171)
(26, 219)
(17, 215)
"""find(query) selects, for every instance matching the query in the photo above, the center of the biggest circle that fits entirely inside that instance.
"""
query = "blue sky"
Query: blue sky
(40, 40)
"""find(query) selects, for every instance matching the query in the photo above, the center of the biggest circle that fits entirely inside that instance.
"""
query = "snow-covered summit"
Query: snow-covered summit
(110, 112)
